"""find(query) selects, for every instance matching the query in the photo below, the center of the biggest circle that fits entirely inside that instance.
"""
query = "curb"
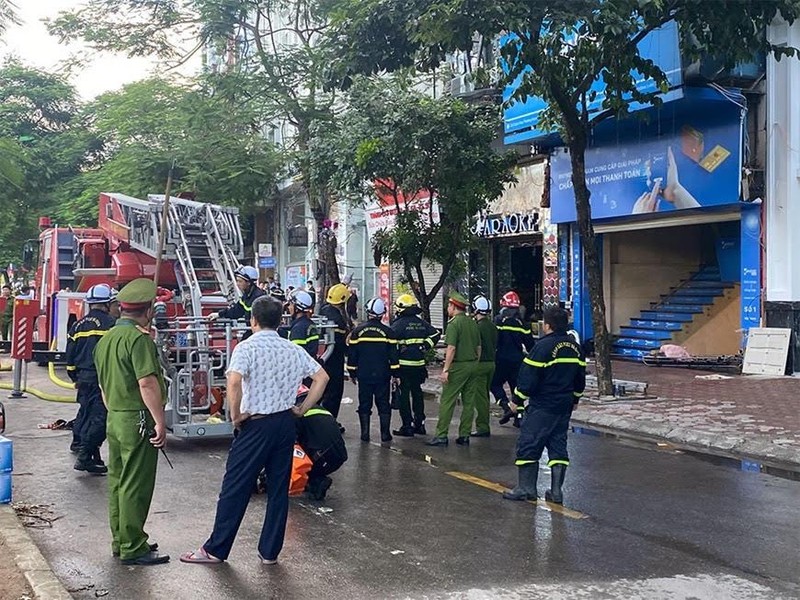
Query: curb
(762, 450)
(29, 559)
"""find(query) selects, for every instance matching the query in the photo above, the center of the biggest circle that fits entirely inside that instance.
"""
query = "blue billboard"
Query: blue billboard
(521, 118)
(688, 156)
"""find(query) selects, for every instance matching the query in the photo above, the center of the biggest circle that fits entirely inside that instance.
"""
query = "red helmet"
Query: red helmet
(510, 300)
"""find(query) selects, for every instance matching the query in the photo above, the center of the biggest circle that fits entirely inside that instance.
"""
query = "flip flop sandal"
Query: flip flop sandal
(199, 557)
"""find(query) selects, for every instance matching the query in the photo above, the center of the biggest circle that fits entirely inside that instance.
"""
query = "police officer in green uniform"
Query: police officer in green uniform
(459, 375)
(482, 308)
(134, 393)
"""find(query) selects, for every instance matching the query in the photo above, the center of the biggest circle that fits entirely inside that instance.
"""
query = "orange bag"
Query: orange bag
(301, 465)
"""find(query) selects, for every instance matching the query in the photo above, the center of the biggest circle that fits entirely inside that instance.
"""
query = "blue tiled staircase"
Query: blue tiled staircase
(670, 317)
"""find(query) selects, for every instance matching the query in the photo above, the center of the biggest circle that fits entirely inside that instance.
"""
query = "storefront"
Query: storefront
(516, 247)
(680, 250)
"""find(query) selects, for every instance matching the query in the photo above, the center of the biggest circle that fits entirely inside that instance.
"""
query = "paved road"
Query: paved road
(413, 522)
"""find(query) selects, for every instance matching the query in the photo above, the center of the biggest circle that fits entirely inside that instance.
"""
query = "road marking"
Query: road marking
(496, 487)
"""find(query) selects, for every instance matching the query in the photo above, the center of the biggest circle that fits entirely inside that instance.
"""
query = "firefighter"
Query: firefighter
(372, 361)
(415, 338)
(333, 310)
(247, 282)
(513, 341)
(89, 427)
(481, 309)
(459, 377)
(551, 381)
(319, 435)
(302, 330)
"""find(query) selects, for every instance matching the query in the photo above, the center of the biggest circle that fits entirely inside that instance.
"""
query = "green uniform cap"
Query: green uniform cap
(459, 299)
(138, 291)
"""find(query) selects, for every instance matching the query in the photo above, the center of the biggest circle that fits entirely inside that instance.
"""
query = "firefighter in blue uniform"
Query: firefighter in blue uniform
(333, 310)
(513, 341)
(372, 361)
(247, 282)
(321, 439)
(89, 427)
(301, 330)
(551, 381)
(415, 338)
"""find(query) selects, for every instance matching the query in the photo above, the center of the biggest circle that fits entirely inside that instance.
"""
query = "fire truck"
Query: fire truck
(196, 277)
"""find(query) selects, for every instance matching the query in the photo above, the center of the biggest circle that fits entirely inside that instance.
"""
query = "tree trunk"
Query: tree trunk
(602, 339)
(328, 266)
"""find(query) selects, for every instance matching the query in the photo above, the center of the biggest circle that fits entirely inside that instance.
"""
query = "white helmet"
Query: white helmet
(375, 307)
(247, 273)
(302, 300)
(481, 305)
(100, 294)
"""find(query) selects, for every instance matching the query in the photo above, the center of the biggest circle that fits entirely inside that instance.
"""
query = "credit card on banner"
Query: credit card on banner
(714, 158)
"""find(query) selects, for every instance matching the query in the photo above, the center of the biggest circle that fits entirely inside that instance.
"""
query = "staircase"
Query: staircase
(674, 316)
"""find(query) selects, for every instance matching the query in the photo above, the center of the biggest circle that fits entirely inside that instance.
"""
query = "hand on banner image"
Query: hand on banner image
(673, 192)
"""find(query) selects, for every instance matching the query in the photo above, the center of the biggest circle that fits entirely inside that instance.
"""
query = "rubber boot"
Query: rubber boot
(386, 423)
(97, 459)
(85, 463)
(364, 421)
(507, 413)
(419, 428)
(526, 488)
(554, 494)
(404, 431)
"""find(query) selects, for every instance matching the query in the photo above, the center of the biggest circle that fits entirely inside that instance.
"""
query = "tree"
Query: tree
(557, 50)
(415, 152)
(273, 46)
(213, 144)
(45, 146)
(8, 15)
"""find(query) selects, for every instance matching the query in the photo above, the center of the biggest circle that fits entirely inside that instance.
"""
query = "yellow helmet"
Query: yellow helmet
(405, 301)
(338, 294)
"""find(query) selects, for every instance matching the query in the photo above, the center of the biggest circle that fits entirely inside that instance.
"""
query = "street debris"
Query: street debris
(36, 516)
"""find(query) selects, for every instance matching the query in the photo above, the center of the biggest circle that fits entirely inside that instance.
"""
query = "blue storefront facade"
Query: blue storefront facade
(681, 251)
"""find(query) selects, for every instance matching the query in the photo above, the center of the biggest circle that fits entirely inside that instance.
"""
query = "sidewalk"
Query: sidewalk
(754, 418)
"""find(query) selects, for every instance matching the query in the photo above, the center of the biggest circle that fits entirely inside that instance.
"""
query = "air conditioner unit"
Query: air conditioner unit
(461, 85)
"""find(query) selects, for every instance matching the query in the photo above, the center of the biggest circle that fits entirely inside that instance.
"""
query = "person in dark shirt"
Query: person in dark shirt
(321, 439)
(551, 381)
(333, 311)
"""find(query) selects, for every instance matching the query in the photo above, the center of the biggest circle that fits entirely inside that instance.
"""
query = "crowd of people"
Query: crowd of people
(122, 393)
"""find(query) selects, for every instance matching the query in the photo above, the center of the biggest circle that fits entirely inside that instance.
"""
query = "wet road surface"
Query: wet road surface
(418, 522)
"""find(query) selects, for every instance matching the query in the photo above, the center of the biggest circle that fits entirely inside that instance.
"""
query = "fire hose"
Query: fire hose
(37, 392)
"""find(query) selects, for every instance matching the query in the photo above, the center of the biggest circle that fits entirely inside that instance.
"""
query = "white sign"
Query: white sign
(488, 226)
(265, 250)
(384, 217)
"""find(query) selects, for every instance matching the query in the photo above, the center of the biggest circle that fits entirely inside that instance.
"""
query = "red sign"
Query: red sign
(25, 313)
(385, 290)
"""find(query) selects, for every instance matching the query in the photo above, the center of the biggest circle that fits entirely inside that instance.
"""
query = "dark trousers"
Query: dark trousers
(504, 372)
(377, 392)
(264, 443)
(79, 420)
(325, 462)
(411, 396)
(543, 429)
(90, 424)
(332, 396)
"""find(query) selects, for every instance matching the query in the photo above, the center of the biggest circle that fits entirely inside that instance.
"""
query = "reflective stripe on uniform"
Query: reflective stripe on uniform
(412, 341)
(519, 394)
(72, 368)
(517, 329)
(308, 340)
(342, 331)
(90, 333)
(393, 367)
(577, 394)
(351, 368)
(555, 361)
(372, 339)
(244, 306)
(557, 461)
(412, 363)
(521, 461)
(317, 411)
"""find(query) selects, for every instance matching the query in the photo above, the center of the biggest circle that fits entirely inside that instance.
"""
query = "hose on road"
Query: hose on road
(40, 394)
(51, 371)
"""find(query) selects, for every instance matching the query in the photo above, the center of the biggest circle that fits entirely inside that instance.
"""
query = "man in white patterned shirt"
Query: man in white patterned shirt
(264, 375)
